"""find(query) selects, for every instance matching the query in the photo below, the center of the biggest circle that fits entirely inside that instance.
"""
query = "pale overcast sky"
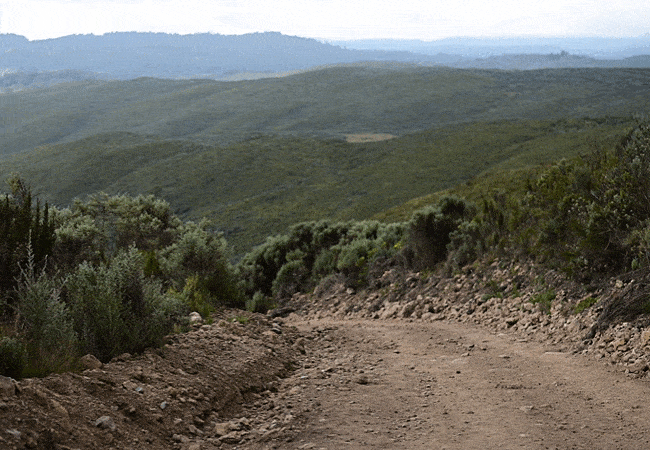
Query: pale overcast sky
(330, 19)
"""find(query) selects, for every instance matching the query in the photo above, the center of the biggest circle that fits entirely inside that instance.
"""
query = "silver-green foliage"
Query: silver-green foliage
(117, 309)
(198, 252)
(94, 229)
(45, 324)
(311, 251)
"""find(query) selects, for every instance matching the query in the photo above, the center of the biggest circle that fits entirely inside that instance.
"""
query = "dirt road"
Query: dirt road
(398, 385)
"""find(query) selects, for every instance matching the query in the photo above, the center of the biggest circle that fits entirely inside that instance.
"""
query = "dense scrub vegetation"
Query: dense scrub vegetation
(106, 276)
(588, 216)
(114, 274)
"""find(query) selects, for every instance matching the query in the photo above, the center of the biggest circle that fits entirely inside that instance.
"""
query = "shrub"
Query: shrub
(312, 251)
(13, 357)
(259, 303)
(466, 243)
(585, 304)
(116, 309)
(544, 300)
(44, 323)
(430, 230)
(289, 279)
(604, 206)
(195, 298)
(94, 229)
(202, 254)
(24, 227)
(353, 260)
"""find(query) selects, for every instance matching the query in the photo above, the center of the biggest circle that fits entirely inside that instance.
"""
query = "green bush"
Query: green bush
(94, 229)
(290, 279)
(202, 254)
(194, 297)
(585, 304)
(591, 212)
(115, 257)
(312, 251)
(260, 304)
(24, 227)
(353, 260)
(430, 230)
(13, 357)
(466, 243)
(45, 323)
(544, 300)
(117, 309)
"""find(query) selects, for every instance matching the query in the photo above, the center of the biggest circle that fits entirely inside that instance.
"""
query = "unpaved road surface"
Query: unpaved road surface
(376, 384)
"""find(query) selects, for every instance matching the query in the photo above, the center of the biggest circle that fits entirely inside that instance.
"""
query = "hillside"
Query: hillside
(259, 187)
(256, 156)
(329, 102)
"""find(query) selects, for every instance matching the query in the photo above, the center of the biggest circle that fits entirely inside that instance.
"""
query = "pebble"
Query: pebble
(90, 362)
(7, 387)
(195, 318)
(106, 423)
(14, 433)
(222, 429)
(180, 438)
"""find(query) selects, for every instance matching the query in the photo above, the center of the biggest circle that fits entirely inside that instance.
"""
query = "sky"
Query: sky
(330, 19)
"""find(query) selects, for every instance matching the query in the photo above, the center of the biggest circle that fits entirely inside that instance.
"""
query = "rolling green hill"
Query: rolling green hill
(256, 156)
(258, 187)
(325, 103)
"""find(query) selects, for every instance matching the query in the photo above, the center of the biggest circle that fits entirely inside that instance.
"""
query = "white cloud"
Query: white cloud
(342, 19)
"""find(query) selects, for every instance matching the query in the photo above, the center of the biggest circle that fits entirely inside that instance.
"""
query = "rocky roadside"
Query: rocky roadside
(188, 395)
(608, 320)
(252, 381)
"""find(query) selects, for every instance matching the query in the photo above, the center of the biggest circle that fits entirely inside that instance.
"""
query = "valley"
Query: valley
(383, 253)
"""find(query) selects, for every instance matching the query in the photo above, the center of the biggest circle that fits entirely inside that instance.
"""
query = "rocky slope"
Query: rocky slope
(606, 319)
(183, 393)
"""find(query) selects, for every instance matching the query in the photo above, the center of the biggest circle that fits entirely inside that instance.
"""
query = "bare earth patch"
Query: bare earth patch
(368, 137)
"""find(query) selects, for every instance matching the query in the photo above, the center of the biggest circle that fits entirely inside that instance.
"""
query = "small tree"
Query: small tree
(24, 228)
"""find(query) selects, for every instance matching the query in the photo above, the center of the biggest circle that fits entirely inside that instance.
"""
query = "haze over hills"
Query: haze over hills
(130, 55)
(122, 56)
(468, 47)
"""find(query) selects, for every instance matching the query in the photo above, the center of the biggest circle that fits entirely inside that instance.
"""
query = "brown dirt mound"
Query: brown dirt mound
(165, 398)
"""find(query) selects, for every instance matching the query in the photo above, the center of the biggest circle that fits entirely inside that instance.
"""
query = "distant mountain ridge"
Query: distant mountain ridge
(124, 56)
(160, 55)
(607, 48)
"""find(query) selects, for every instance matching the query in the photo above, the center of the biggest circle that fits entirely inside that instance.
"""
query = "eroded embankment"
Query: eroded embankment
(600, 319)
(163, 399)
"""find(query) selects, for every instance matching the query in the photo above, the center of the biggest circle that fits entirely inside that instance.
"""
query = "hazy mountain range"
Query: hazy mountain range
(472, 48)
(120, 56)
